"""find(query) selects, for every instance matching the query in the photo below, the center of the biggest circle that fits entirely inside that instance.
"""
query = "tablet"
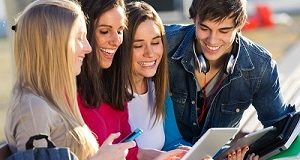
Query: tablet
(247, 140)
(210, 143)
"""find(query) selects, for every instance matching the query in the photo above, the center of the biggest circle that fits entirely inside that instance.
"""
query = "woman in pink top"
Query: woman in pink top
(103, 82)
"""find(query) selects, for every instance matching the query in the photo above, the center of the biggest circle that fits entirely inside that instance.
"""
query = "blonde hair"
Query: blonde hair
(44, 58)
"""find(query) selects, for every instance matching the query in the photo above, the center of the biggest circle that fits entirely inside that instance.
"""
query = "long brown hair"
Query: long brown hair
(97, 85)
(138, 12)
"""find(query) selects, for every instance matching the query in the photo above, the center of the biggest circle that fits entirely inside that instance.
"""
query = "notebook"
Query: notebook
(287, 129)
(210, 143)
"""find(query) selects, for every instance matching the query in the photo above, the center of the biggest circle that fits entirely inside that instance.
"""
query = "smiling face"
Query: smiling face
(82, 46)
(147, 49)
(109, 35)
(215, 39)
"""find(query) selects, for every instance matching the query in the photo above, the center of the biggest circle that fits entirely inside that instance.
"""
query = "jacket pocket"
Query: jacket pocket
(231, 114)
(235, 108)
(179, 101)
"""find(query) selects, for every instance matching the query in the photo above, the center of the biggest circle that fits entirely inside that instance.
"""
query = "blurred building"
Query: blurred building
(171, 11)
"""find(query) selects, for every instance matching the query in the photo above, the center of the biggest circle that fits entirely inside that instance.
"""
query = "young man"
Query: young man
(216, 73)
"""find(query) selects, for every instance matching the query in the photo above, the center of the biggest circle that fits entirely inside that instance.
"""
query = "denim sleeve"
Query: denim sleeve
(173, 137)
(268, 99)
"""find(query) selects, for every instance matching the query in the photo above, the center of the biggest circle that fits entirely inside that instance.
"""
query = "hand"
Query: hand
(207, 158)
(238, 154)
(253, 157)
(183, 147)
(109, 151)
(148, 154)
(175, 154)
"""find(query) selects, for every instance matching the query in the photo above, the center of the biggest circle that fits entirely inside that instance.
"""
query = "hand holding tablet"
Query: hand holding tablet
(247, 140)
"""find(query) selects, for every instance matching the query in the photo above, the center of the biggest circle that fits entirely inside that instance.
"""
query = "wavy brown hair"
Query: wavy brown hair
(97, 85)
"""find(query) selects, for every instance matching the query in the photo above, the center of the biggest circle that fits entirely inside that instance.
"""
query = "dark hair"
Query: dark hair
(138, 12)
(97, 85)
(219, 10)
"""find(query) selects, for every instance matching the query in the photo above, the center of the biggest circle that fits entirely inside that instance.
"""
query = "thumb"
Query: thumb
(111, 138)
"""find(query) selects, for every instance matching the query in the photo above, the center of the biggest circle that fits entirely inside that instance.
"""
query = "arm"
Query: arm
(173, 137)
(268, 99)
(32, 116)
(109, 151)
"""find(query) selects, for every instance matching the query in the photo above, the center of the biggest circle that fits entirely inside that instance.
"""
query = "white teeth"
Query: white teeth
(212, 48)
(147, 64)
(109, 51)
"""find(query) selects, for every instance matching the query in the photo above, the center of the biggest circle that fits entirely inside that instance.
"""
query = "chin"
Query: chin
(77, 72)
(105, 66)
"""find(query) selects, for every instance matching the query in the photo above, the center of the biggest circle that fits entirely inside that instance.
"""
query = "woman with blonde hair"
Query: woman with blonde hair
(49, 47)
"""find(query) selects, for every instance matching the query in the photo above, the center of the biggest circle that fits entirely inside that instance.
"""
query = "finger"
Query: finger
(176, 153)
(127, 145)
(187, 148)
(239, 154)
(207, 158)
(174, 158)
(229, 156)
(252, 156)
(111, 138)
(256, 157)
(233, 155)
(244, 151)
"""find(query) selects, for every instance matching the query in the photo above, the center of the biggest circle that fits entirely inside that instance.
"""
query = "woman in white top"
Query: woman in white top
(150, 109)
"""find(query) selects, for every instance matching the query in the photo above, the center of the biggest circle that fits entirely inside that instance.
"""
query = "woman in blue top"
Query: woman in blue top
(150, 109)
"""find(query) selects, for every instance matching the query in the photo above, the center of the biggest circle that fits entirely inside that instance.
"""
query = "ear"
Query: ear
(241, 26)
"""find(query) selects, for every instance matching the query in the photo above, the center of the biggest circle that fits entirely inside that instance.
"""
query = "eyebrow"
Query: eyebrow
(104, 25)
(140, 40)
(109, 26)
(224, 28)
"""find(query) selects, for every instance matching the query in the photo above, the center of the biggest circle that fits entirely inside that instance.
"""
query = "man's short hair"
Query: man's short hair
(218, 10)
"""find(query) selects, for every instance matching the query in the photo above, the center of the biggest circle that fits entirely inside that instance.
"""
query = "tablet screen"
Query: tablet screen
(210, 143)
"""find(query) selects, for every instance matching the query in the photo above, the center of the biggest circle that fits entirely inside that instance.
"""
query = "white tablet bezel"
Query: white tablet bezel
(210, 143)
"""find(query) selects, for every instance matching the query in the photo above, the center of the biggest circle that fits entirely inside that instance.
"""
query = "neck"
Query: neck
(140, 85)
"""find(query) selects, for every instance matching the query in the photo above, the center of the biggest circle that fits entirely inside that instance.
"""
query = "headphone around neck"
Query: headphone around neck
(203, 64)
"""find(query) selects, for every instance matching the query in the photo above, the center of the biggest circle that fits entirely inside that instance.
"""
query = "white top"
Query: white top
(140, 110)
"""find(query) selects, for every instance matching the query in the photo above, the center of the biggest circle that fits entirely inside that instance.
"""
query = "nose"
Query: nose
(87, 48)
(116, 39)
(148, 51)
(212, 38)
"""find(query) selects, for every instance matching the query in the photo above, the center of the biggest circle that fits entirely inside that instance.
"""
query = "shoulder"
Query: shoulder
(33, 104)
(255, 50)
(178, 36)
(173, 29)
(29, 115)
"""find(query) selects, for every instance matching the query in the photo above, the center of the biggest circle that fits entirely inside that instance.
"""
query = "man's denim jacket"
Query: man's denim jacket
(254, 81)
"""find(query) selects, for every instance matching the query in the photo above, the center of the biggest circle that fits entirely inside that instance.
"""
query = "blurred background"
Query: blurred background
(275, 24)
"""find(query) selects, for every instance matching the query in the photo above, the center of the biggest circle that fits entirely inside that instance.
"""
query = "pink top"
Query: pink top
(105, 120)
